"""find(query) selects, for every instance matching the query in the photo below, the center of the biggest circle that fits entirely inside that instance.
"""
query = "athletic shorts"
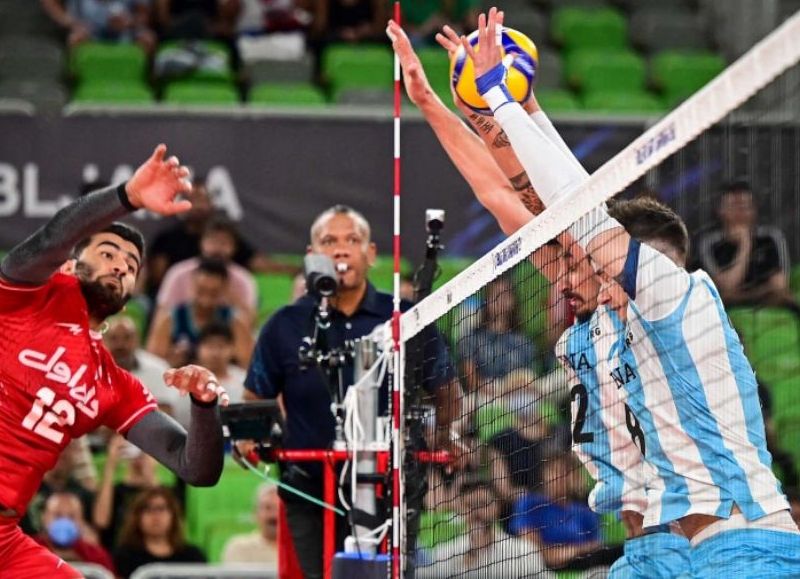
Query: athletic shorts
(747, 554)
(653, 556)
(21, 556)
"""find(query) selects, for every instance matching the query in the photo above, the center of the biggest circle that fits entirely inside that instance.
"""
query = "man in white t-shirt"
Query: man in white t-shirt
(260, 546)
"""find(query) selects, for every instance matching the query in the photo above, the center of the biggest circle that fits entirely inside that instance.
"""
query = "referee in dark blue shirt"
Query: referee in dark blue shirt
(343, 234)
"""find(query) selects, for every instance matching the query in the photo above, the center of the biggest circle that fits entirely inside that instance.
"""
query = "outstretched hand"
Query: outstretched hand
(487, 54)
(417, 86)
(201, 383)
(156, 184)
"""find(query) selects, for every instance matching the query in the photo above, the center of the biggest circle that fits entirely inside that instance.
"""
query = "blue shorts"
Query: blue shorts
(654, 556)
(747, 554)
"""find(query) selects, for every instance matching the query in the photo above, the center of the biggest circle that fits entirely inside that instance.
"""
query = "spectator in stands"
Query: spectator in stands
(114, 498)
(748, 262)
(347, 20)
(122, 340)
(64, 532)
(423, 19)
(153, 533)
(103, 20)
(485, 551)
(197, 19)
(218, 242)
(497, 346)
(559, 519)
(74, 472)
(260, 546)
(181, 241)
(174, 336)
(215, 351)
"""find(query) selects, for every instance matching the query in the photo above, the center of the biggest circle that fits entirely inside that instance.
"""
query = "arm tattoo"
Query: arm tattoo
(481, 123)
(501, 140)
(522, 185)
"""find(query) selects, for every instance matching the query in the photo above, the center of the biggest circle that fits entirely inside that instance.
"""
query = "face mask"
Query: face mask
(63, 532)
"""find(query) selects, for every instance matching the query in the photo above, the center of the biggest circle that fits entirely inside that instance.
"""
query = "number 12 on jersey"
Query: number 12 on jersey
(41, 421)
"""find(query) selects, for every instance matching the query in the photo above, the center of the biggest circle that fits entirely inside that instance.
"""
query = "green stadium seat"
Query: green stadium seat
(197, 93)
(363, 66)
(108, 61)
(578, 28)
(124, 93)
(274, 292)
(615, 70)
(679, 74)
(165, 476)
(213, 60)
(437, 527)
(437, 69)
(229, 502)
(557, 100)
(533, 291)
(627, 102)
(274, 94)
(381, 274)
(492, 419)
(612, 529)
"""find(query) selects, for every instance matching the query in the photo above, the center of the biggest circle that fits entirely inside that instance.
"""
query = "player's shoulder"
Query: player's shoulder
(57, 281)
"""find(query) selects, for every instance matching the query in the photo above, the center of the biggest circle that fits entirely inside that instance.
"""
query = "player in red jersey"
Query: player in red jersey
(57, 380)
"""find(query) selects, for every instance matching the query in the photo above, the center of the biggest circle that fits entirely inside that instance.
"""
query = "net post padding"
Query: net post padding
(736, 84)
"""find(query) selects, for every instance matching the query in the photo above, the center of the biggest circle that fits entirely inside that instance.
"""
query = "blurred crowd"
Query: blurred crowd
(516, 504)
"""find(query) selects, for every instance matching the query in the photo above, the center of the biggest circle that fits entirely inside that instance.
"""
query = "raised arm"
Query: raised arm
(154, 185)
(554, 174)
(465, 149)
(196, 456)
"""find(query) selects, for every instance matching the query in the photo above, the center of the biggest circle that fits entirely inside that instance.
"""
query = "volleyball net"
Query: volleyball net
(549, 411)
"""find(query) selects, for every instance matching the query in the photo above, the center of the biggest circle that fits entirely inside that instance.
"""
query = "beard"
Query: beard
(102, 301)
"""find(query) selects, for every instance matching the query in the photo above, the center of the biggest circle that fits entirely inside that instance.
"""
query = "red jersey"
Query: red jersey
(57, 382)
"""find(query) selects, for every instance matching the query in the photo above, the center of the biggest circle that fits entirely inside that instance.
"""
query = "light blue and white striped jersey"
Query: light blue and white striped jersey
(600, 420)
(697, 397)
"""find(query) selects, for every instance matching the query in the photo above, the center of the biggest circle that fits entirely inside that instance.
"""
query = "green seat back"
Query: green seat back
(577, 28)
(615, 70)
(381, 274)
(230, 501)
(274, 292)
(274, 94)
(437, 69)
(679, 74)
(616, 102)
(194, 93)
(363, 66)
(108, 61)
(217, 67)
(437, 527)
(124, 93)
(165, 476)
(557, 100)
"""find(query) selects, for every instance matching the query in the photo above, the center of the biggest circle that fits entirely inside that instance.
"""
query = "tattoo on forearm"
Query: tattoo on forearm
(501, 140)
(481, 123)
(520, 182)
(527, 194)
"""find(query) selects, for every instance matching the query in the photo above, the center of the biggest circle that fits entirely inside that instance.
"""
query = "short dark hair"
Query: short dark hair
(221, 223)
(735, 187)
(123, 230)
(647, 219)
(215, 329)
(211, 266)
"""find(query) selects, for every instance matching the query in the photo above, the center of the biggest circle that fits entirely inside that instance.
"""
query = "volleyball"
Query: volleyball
(521, 73)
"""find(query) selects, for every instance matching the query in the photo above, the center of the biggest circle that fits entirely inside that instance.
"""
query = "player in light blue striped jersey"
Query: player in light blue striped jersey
(607, 436)
(696, 396)
(615, 462)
